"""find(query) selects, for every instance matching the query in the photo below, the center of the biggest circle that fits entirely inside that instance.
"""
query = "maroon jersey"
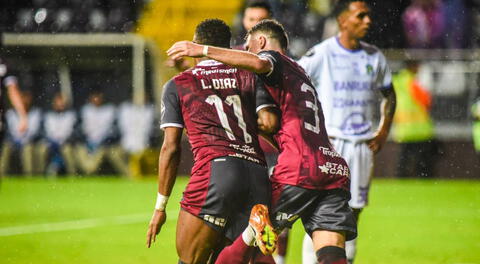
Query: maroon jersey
(216, 104)
(307, 158)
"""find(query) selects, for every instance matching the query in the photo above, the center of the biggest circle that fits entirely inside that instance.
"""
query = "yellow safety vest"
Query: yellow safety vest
(412, 122)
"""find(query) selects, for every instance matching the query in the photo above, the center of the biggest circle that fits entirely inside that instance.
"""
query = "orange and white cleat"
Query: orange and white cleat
(265, 236)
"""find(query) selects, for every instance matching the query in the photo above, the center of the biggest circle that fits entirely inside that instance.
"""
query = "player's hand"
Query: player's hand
(23, 125)
(180, 64)
(376, 143)
(156, 223)
(185, 48)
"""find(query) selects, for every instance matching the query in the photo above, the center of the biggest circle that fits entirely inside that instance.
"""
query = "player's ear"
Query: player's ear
(262, 41)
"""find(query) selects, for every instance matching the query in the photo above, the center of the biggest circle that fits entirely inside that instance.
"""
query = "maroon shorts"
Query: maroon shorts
(326, 209)
(223, 191)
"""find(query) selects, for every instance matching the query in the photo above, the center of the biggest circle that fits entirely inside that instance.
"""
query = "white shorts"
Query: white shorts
(359, 158)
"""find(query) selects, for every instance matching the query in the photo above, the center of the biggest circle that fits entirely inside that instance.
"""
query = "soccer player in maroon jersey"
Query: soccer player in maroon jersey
(311, 180)
(216, 105)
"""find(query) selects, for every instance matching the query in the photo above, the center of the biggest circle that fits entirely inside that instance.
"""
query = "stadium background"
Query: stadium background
(118, 47)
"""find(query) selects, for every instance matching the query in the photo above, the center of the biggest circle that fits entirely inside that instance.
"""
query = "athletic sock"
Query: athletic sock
(248, 236)
(259, 258)
(237, 253)
(331, 255)
(351, 250)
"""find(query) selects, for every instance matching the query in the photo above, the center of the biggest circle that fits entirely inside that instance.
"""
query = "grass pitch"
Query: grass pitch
(104, 220)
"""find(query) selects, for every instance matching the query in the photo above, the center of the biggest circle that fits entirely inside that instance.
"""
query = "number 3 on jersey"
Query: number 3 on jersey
(314, 106)
(236, 103)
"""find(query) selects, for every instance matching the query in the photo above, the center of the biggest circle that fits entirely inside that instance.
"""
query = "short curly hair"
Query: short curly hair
(213, 32)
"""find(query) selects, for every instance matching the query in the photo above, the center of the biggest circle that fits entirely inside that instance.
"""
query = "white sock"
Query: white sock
(308, 253)
(279, 259)
(351, 249)
(248, 236)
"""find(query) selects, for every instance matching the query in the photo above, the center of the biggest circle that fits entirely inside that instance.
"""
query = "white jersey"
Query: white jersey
(346, 82)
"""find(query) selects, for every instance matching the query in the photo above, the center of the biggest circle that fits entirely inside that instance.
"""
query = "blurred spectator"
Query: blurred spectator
(413, 127)
(9, 87)
(100, 132)
(456, 16)
(136, 125)
(23, 143)
(56, 148)
(424, 24)
(476, 126)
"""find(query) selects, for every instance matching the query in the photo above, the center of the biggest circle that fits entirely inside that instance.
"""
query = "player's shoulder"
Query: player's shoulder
(371, 49)
(320, 49)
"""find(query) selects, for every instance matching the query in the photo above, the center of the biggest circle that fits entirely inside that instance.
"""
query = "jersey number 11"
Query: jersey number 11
(236, 103)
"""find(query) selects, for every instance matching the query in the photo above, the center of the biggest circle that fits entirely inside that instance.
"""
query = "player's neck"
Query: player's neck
(348, 42)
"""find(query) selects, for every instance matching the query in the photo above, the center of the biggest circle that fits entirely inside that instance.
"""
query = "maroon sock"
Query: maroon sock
(236, 253)
(331, 255)
(259, 258)
(283, 243)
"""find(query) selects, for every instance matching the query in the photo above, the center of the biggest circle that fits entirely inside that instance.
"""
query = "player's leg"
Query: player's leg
(359, 158)
(282, 247)
(195, 239)
(330, 224)
(259, 232)
(253, 218)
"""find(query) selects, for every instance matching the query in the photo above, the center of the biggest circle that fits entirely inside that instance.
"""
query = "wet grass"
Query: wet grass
(407, 221)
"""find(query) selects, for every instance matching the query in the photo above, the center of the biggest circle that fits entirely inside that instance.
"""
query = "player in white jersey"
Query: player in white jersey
(349, 75)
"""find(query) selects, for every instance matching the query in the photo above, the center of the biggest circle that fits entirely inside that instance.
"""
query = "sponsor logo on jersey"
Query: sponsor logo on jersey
(329, 152)
(335, 169)
(218, 221)
(202, 71)
(245, 157)
(356, 124)
(369, 68)
(244, 148)
(284, 216)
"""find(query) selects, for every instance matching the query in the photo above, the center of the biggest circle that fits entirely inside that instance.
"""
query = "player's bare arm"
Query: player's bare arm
(388, 105)
(167, 171)
(16, 99)
(236, 58)
(268, 124)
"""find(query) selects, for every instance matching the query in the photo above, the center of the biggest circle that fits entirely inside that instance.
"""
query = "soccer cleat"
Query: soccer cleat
(265, 236)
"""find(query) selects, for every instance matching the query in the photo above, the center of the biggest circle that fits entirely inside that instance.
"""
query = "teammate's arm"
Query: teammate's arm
(268, 124)
(388, 105)
(167, 171)
(15, 97)
(236, 58)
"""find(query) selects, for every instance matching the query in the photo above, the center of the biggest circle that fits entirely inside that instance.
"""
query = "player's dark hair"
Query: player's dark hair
(213, 32)
(273, 29)
(343, 5)
(260, 4)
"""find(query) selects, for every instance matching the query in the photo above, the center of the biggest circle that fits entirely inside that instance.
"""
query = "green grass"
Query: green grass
(407, 221)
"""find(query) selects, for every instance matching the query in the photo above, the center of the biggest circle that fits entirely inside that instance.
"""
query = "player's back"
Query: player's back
(218, 107)
(306, 156)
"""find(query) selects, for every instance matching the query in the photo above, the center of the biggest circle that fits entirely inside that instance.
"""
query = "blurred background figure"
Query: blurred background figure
(136, 126)
(424, 24)
(23, 143)
(9, 87)
(100, 137)
(413, 127)
(57, 148)
(476, 127)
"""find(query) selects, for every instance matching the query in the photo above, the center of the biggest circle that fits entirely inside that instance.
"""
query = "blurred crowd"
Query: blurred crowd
(69, 15)
(442, 24)
(99, 138)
